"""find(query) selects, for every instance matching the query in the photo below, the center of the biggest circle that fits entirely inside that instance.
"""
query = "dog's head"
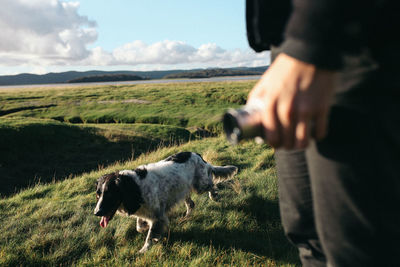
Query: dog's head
(112, 190)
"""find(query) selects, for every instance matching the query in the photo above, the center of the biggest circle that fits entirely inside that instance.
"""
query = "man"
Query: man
(332, 111)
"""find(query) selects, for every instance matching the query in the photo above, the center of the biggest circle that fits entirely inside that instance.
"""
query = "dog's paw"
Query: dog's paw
(144, 249)
(157, 239)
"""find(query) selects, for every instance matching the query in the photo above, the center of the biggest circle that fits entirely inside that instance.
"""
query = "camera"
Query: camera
(244, 123)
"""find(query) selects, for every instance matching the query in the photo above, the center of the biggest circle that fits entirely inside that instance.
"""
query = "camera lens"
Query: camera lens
(231, 127)
(240, 124)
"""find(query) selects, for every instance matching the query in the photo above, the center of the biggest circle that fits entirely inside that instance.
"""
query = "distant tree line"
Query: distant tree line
(208, 73)
(107, 78)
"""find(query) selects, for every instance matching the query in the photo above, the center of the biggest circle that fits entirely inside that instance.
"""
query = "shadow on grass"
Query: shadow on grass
(267, 239)
(271, 245)
(47, 152)
(14, 110)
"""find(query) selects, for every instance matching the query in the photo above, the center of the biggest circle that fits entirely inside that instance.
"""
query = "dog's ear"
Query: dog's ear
(130, 193)
(99, 182)
(101, 179)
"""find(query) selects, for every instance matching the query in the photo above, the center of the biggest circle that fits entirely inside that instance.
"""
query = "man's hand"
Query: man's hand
(297, 97)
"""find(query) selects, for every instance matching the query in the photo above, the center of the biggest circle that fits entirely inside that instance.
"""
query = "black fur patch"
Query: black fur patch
(196, 182)
(131, 195)
(111, 196)
(181, 157)
(104, 178)
(142, 172)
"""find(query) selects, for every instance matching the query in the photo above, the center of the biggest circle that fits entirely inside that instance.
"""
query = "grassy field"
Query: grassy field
(181, 104)
(55, 143)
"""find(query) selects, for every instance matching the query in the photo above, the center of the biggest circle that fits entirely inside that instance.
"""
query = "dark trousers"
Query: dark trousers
(340, 199)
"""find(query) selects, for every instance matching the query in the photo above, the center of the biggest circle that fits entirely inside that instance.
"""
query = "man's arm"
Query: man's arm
(296, 97)
(297, 88)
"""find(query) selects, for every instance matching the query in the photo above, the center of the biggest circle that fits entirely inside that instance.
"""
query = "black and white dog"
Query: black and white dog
(151, 190)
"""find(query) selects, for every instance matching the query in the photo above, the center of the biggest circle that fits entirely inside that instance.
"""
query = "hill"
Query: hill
(64, 77)
(106, 78)
(47, 150)
(53, 224)
(208, 73)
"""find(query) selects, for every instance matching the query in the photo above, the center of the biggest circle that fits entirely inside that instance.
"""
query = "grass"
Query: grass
(53, 224)
(50, 222)
(180, 104)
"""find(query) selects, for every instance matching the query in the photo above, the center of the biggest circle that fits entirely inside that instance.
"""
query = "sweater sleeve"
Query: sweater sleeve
(316, 31)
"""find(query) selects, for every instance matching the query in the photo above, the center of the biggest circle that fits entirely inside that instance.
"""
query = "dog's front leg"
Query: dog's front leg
(141, 225)
(157, 229)
(148, 242)
(160, 228)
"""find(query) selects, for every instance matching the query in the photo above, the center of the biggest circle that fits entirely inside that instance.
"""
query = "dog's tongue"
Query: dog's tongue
(104, 221)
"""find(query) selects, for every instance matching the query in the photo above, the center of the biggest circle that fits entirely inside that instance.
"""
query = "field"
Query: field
(55, 143)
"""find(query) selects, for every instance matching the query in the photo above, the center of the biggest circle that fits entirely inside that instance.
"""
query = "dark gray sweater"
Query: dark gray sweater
(322, 31)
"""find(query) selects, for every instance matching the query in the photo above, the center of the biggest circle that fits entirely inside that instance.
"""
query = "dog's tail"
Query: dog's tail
(224, 171)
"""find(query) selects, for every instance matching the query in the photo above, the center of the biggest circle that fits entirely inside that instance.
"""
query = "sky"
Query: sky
(41, 36)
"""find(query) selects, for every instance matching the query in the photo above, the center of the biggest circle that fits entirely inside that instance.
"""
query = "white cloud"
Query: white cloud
(170, 53)
(166, 52)
(45, 34)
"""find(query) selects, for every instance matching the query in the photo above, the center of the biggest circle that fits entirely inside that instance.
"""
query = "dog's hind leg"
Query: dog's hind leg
(189, 206)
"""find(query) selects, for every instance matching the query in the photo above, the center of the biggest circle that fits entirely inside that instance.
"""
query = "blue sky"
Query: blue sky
(194, 22)
(52, 35)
